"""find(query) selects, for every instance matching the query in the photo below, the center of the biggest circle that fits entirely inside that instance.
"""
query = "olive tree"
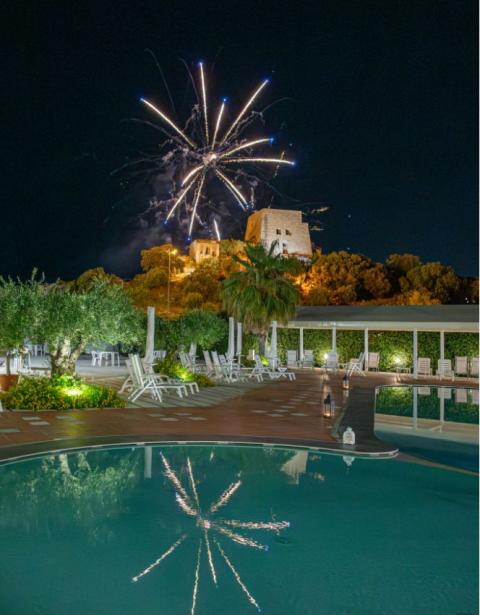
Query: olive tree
(70, 320)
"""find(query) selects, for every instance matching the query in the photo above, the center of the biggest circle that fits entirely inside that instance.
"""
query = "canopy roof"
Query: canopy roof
(454, 318)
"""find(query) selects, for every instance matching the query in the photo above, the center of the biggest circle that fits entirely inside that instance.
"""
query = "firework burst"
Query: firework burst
(210, 529)
(208, 148)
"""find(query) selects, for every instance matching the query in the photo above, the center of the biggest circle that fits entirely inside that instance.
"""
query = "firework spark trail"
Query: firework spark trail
(251, 599)
(192, 482)
(180, 198)
(204, 100)
(187, 509)
(231, 186)
(268, 160)
(217, 125)
(197, 574)
(238, 538)
(225, 497)
(160, 559)
(195, 204)
(217, 230)
(169, 122)
(244, 146)
(210, 558)
(244, 110)
(254, 525)
(191, 174)
(170, 474)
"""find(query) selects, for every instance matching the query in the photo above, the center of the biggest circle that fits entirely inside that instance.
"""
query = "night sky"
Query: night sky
(381, 116)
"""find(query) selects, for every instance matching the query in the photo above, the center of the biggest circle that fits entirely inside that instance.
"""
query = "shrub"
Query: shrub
(173, 369)
(59, 393)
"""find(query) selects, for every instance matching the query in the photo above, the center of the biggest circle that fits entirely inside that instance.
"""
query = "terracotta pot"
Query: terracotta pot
(7, 381)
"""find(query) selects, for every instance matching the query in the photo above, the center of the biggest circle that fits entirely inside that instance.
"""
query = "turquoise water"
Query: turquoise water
(375, 537)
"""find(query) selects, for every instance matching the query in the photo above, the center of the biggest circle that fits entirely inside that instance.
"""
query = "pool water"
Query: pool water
(231, 530)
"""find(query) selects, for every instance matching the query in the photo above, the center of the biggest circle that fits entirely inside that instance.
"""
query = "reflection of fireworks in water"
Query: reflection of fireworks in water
(191, 506)
(207, 151)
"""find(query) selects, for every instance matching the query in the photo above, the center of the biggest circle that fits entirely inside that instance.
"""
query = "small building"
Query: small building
(202, 249)
(283, 226)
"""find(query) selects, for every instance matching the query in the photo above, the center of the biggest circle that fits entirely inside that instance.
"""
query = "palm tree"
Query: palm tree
(261, 292)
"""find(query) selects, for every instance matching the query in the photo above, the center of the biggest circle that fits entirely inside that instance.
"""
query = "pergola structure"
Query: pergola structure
(415, 318)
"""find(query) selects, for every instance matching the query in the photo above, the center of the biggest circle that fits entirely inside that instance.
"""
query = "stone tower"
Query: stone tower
(281, 225)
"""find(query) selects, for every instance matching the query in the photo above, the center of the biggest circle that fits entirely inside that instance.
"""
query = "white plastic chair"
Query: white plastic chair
(461, 366)
(308, 359)
(423, 367)
(373, 361)
(140, 382)
(355, 366)
(331, 361)
(474, 367)
(444, 369)
(292, 360)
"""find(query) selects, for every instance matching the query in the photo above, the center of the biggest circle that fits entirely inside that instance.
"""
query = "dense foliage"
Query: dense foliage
(59, 393)
(173, 369)
(202, 327)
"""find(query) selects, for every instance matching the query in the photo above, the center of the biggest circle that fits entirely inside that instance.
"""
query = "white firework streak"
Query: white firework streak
(197, 574)
(192, 482)
(217, 125)
(225, 497)
(242, 201)
(244, 146)
(244, 110)
(191, 174)
(257, 525)
(251, 599)
(238, 538)
(170, 474)
(180, 198)
(204, 98)
(267, 160)
(217, 230)
(171, 123)
(187, 509)
(160, 559)
(209, 556)
(195, 204)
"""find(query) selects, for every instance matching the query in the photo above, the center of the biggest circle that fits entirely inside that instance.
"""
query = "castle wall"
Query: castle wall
(284, 226)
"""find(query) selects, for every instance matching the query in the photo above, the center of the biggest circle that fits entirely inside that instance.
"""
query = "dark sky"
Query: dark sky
(382, 119)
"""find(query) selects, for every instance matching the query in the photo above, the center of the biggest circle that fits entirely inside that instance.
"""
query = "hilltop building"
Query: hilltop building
(285, 227)
(201, 249)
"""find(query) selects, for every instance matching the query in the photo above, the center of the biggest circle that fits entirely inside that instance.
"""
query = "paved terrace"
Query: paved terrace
(275, 412)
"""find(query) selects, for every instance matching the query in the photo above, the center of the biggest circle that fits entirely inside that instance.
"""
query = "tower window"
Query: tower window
(279, 232)
(287, 232)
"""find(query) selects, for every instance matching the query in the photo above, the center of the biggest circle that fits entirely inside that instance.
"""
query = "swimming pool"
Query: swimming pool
(120, 531)
(439, 423)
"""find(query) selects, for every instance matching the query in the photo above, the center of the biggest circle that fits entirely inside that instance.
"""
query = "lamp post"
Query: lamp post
(170, 252)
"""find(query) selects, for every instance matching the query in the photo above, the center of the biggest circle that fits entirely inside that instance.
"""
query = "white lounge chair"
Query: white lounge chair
(292, 359)
(209, 367)
(444, 369)
(474, 367)
(265, 370)
(423, 367)
(308, 359)
(373, 361)
(147, 374)
(281, 370)
(355, 366)
(139, 383)
(461, 366)
(331, 361)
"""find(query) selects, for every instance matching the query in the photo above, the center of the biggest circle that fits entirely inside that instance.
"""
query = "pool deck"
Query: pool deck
(288, 413)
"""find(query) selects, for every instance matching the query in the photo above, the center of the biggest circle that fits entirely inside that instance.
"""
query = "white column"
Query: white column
(231, 338)
(239, 339)
(442, 406)
(273, 342)
(415, 408)
(365, 348)
(415, 352)
(442, 345)
(147, 462)
(334, 339)
(150, 345)
(300, 344)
